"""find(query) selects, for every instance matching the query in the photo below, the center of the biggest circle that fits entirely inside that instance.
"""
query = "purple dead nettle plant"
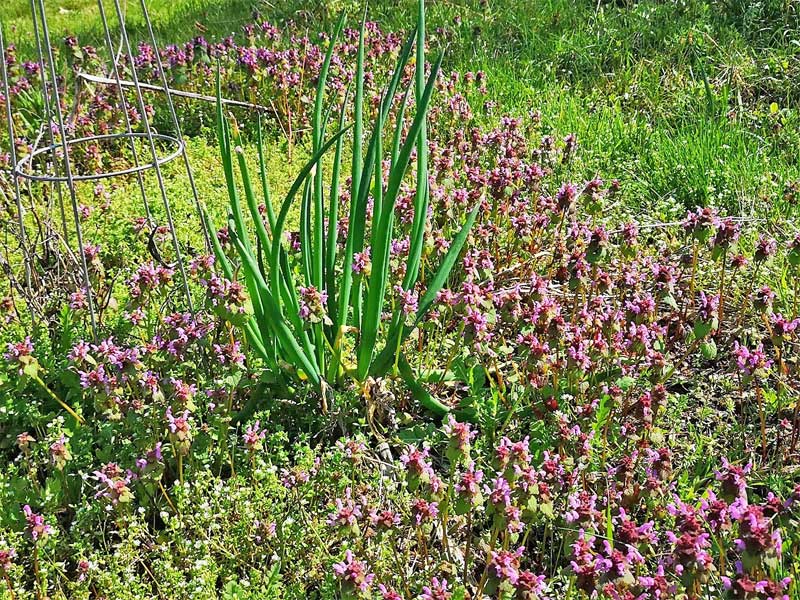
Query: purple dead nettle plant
(354, 575)
(577, 321)
(728, 539)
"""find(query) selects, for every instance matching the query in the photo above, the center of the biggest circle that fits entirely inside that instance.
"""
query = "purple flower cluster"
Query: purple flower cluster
(354, 573)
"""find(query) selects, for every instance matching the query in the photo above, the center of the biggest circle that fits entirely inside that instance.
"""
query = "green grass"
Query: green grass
(691, 102)
(687, 102)
(173, 20)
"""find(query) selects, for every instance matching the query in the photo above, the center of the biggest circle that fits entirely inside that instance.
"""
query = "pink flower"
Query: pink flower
(19, 350)
(700, 223)
(514, 519)
(179, 425)
(388, 593)
(708, 307)
(353, 449)
(253, 436)
(765, 248)
(727, 233)
(312, 305)
(114, 484)
(354, 573)
(361, 262)
(79, 352)
(764, 298)
(505, 565)
(59, 452)
(469, 485)
(460, 434)
(424, 511)
(84, 566)
(264, 529)
(437, 590)
(346, 514)
(78, 300)
(184, 392)
(749, 361)
(7, 557)
(565, 198)
(414, 460)
(733, 479)
(499, 493)
(36, 524)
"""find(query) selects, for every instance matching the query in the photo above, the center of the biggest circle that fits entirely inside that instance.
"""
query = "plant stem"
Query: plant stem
(747, 299)
(779, 397)
(444, 517)
(421, 541)
(10, 587)
(692, 279)
(63, 404)
(569, 588)
(795, 424)
(167, 498)
(485, 576)
(453, 351)
(36, 575)
(762, 416)
(401, 567)
(606, 426)
(468, 547)
(721, 291)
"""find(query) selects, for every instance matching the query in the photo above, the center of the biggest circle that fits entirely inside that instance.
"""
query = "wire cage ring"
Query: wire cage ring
(46, 177)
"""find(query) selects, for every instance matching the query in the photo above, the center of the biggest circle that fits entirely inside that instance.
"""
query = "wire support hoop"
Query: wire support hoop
(54, 178)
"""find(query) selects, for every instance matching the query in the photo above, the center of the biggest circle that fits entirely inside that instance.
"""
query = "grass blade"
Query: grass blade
(272, 317)
(333, 222)
(223, 136)
(401, 115)
(306, 251)
(443, 272)
(382, 232)
(419, 393)
(421, 199)
(355, 174)
(262, 167)
(250, 197)
(318, 127)
(383, 362)
(358, 198)
(280, 221)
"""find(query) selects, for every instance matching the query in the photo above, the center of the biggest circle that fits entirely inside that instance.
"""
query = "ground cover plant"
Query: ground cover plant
(436, 352)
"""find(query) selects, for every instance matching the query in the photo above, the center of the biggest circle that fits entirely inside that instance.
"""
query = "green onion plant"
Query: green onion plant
(319, 350)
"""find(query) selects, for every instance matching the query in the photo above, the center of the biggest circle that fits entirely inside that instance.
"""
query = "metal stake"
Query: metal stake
(175, 122)
(68, 169)
(17, 197)
(157, 167)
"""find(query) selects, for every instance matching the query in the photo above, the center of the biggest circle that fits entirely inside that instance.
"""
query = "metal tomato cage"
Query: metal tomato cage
(59, 172)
